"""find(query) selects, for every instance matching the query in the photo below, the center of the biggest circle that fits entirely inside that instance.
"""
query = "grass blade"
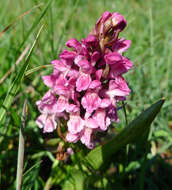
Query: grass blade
(20, 159)
(18, 18)
(15, 85)
(35, 23)
(100, 155)
(29, 72)
(30, 169)
(17, 62)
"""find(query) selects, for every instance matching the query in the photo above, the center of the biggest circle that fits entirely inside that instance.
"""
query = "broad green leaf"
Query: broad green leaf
(76, 182)
(79, 180)
(68, 185)
(16, 84)
(100, 155)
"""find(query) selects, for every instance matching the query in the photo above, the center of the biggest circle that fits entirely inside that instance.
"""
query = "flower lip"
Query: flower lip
(112, 58)
(83, 82)
(73, 43)
(75, 124)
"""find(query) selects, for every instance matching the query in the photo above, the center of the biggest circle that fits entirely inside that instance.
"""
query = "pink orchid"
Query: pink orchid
(73, 43)
(87, 82)
(95, 84)
(70, 151)
(67, 55)
(112, 114)
(90, 102)
(62, 104)
(113, 58)
(48, 103)
(118, 87)
(118, 21)
(47, 122)
(86, 137)
(100, 118)
(91, 123)
(61, 65)
(83, 82)
(121, 45)
(75, 124)
(73, 138)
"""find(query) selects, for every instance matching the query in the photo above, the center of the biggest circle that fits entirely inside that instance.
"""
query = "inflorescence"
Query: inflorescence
(87, 82)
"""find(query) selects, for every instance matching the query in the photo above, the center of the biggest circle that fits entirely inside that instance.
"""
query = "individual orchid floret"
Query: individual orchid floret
(102, 120)
(121, 45)
(86, 137)
(91, 102)
(108, 27)
(118, 21)
(47, 122)
(73, 43)
(83, 82)
(87, 83)
(118, 87)
(48, 104)
(75, 124)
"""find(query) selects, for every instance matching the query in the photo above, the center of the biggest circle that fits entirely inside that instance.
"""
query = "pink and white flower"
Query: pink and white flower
(87, 82)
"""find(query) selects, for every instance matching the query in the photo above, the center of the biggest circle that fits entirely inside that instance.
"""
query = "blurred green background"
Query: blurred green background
(149, 28)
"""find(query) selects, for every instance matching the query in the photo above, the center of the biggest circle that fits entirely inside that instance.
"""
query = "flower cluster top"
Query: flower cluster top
(87, 82)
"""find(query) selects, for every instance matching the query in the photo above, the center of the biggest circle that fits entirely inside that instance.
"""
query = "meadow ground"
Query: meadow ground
(150, 30)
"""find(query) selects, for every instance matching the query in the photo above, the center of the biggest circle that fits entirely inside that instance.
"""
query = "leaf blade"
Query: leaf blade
(136, 128)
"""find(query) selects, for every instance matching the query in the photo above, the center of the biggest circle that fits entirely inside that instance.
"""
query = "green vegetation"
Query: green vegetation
(38, 30)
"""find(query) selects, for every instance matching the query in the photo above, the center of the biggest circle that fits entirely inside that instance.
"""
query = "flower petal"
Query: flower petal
(91, 123)
(62, 104)
(86, 138)
(121, 45)
(100, 117)
(112, 58)
(73, 43)
(75, 124)
(73, 138)
(118, 87)
(83, 82)
(91, 101)
(118, 21)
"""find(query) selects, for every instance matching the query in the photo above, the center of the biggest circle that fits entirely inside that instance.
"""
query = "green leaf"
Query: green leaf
(76, 182)
(68, 185)
(100, 155)
(79, 179)
(16, 84)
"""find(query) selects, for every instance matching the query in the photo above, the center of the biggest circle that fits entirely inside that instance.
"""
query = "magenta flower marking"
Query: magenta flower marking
(87, 82)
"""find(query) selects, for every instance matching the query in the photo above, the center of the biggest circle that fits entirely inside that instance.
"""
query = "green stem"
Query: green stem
(125, 112)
